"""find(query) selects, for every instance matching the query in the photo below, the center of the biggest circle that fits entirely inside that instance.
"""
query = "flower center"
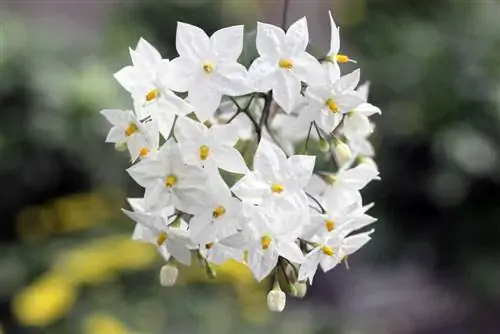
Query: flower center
(265, 241)
(144, 152)
(209, 245)
(285, 63)
(208, 67)
(218, 211)
(327, 250)
(330, 225)
(152, 94)
(277, 188)
(162, 237)
(132, 128)
(204, 151)
(170, 181)
(330, 103)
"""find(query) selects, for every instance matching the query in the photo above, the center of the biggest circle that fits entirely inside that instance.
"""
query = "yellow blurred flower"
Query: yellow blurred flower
(45, 301)
(104, 324)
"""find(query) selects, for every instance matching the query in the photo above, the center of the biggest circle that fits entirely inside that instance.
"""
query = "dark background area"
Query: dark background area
(67, 264)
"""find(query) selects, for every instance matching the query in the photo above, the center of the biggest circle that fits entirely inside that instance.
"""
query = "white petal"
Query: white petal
(308, 69)
(327, 120)
(291, 251)
(261, 263)
(180, 74)
(310, 265)
(354, 243)
(179, 251)
(115, 135)
(297, 37)
(158, 196)
(347, 102)
(117, 116)
(165, 119)
(148, 51)
(347, 82)
(333, 70)
(127, 77)
(335, 37)
(270, 40)
(227, 43)
(232, 79)
(364, 90)
(262, 74)
(144, 234)
(174, 103)
(147, 172)
(368, 109)
(191, 41)
(229, 159)
(188, 131)
(286, 91)
(302, 167)
(205, 101)
(225, 134)
(199, 229)
(251, 188)
(268, 160)
(134, 144)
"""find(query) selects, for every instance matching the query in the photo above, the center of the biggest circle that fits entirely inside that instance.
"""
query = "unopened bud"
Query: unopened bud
(168, 275)
(342, 152)
(121, 146)
(300, 289)
(324, 146)
(276, 300)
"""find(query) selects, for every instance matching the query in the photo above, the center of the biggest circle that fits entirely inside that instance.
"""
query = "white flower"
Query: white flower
(168, 275)
(219, 218)
(140, 138)
(327, 103)
(272, 233)
(333, 58)
(284, 63)
(276, 300)
(168, 181)
(221, 251)
(275, 176)
(144, 80)
(170, 241)
(209, 147)
(207, 67)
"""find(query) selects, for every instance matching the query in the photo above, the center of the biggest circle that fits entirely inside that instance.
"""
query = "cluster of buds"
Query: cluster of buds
(283, 217)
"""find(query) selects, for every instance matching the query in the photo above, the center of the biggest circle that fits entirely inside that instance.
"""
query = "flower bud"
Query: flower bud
(367, 160)
(121, 146)
(324, 146)
(276, 300)
(300, 289)
(342, 152)
(168, 275)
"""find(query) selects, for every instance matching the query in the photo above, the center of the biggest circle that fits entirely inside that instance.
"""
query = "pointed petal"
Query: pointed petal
(191, 42)
(251, 188)
(334, 36)
(180, 74)
(205, 101)
(232, 79)
(189, 131)
(286, 91)
(347, 82)
(270, 40)
(268, 160)
(301, 169)
(115, 135)
(227, 43)
(127, 77)
(229, 159)
(262, 74)
(291, 251)
(147, 51)
(297, 36)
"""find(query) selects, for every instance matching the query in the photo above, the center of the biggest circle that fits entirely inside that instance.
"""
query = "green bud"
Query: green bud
(121, 146)
(324, 146)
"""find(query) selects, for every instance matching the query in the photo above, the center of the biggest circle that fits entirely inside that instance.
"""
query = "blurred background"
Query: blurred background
(67, 264)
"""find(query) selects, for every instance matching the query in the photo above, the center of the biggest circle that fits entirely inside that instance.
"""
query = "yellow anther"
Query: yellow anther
(132, 128)
(285, 63)
(152, 94)
(277, 188)
(204, 151)
(218, 211)
(327, 250)
(144, 152)
(162, 237)
(330, 225)
(265, 241)
(208, 67)
(170, 181)
(330, 103)
(209, 245)
(342, 59)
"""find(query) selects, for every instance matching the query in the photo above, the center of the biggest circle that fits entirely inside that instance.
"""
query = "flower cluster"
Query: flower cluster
(282, 217)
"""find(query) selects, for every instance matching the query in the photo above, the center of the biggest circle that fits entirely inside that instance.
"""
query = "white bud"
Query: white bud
(121, 146)
(300, 289)
(276, 300)
(342, 152)
(168, 275)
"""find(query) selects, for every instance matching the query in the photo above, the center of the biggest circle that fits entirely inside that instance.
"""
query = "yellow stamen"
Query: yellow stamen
(265, 241)
(209, 245)
(330, 103)
(204, 151)
(208, 67)
(170, 181)
(219, 211)
(277, 188)
(327, 250)
(162, 237)
(152, 94)
(132, 128)
(342, 59)
(144, 152)
(330, 225)
(285, 63)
